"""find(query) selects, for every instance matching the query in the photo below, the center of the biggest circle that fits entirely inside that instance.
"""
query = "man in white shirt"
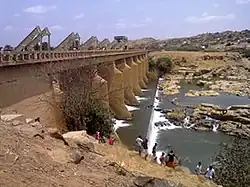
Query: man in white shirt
(210, 173)
(139, 141)
(198, 168)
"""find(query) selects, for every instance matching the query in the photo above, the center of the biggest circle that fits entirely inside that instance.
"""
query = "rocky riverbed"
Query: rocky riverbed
(213, 73)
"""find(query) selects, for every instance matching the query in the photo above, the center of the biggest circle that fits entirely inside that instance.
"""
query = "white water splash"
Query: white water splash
(215, 127)
(139, 99)
(132, 108)
(120, 123)
(156, 116)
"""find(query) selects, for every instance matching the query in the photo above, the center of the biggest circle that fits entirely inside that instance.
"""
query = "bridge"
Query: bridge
(30, 69)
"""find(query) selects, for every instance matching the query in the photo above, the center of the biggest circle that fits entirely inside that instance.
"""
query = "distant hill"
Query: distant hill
(218, 41)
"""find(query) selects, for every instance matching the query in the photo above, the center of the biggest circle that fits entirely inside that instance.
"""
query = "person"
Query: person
(98, 136)
(198, 168)
(210, 173)
(145, 147)
(111, 140)
(154, 152)
(170, 159)
(162, 158)
(139, 141)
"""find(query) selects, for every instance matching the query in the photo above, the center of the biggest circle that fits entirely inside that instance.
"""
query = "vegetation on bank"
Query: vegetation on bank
(162, 65)
(233, 164)
(83, 109)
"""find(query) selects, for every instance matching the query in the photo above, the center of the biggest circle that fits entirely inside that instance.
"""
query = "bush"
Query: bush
(233, 169)
(151, 64)
(82, 108)
(98, 118)
(164, 65)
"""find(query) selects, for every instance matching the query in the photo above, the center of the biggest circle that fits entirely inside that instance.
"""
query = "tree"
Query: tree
(164, 65)
(81, 106)
(233, 168)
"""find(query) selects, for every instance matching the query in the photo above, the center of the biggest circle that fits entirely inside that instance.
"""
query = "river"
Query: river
(192, 146)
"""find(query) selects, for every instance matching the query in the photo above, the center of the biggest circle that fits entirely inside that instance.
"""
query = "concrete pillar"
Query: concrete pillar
(114, 78)
(87, 81)
(135, 80)
(56, 95)
(140, 72)
(144, 69)
(129, 95)
(146, 63)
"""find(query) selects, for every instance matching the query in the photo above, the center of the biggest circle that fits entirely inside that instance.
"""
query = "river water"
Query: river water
(192, 146)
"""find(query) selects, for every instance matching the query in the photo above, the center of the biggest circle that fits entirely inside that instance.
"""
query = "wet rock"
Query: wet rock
(195, 93)
(235, 119)
(144, 181)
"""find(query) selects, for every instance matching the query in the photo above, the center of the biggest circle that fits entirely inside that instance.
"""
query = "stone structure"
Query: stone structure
(118, 75)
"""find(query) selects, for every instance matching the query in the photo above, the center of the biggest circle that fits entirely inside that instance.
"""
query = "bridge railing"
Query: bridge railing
(14, 58)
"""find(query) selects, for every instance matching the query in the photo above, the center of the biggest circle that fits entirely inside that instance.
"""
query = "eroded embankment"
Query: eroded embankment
(30, 156)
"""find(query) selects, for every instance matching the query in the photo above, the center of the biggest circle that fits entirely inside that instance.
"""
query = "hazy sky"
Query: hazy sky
(133, 18)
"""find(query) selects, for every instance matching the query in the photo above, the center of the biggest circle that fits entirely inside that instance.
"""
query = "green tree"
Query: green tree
(98, 117)
(164, 65)
(151, 64)
(233, 161)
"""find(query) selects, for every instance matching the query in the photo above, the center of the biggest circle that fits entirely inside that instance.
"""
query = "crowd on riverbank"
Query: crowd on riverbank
(169, 159)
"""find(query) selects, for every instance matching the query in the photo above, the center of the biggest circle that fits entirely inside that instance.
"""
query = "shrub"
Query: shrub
(233, 169)
(151, 64)
(99, 118)
(164, 65)
(82, 108)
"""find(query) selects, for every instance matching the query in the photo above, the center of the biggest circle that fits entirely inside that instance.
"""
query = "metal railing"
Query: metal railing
(15, 58)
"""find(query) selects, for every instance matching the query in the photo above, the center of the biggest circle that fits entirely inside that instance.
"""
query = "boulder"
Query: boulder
(195, 93)
(145, 181)
(79, 138)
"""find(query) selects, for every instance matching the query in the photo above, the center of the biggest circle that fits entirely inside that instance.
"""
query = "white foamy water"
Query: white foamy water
(139, 99)
(122, 123)
(132, 108)
(215, 127)
(157, 116)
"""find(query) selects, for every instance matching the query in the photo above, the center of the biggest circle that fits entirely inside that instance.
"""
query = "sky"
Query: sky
(160, 19)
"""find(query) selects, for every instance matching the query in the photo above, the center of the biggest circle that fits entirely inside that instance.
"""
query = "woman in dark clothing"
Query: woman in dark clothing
(170, 161)
(145, 147)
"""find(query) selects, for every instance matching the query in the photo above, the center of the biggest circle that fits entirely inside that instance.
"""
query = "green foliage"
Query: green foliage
(164, 65)
(98, 118)
(151, 64)
(82, 110)
(233, 161)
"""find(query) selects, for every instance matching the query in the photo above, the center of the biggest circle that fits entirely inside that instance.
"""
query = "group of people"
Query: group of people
(102, 139)
(209, 173)
(169, 159)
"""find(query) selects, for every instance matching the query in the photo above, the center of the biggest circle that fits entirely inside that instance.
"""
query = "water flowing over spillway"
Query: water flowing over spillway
(157, 116)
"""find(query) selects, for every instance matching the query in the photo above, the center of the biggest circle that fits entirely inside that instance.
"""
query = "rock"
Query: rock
(235, 119)
(16, 122)
(28, 120)
(195, 93)
(76, 156)
(53, 132)
(79, 138)
(201, 83)
(10, 117)
(145, 181)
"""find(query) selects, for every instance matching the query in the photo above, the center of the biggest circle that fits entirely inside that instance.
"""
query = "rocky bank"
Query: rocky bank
(213, 73)
(33, 155)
